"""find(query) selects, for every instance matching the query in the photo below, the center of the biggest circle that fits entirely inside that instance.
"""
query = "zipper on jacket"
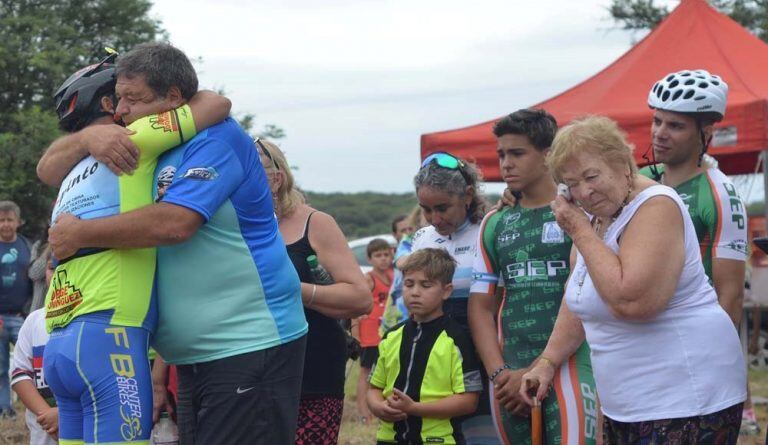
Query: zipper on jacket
(416, 339)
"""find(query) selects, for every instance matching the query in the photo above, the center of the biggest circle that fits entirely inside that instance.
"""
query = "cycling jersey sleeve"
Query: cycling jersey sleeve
(158, 133)
(465, 372)
(209, 173)
(727, 219)
(485, 269)
(418, 241)
(378, 376)
(22, 367)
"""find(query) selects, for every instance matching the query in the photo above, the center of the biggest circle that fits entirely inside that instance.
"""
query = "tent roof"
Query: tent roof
(693, 36)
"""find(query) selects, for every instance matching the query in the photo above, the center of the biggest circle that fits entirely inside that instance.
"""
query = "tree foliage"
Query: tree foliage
(42, 42)
(363, 214)
(269, 131)
(646, 14)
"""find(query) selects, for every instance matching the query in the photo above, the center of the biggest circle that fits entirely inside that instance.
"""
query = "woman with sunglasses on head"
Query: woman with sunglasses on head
(448, 192)
(307, 232)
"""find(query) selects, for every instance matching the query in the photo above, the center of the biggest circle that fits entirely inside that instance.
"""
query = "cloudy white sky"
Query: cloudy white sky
(354, 83)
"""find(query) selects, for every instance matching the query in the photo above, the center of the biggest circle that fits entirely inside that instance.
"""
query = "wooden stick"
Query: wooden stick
(536, 430)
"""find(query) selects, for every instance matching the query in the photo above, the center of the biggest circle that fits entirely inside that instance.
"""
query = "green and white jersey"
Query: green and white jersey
(528, 252)
(718, 215)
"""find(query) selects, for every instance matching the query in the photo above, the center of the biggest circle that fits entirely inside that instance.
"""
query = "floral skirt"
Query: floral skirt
(720, 428)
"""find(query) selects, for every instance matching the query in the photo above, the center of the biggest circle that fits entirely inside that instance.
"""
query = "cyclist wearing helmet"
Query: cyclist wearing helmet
(687, 105)
(100, 308)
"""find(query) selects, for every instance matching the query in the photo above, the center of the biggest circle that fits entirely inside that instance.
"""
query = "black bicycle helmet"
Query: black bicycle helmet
(78, 99)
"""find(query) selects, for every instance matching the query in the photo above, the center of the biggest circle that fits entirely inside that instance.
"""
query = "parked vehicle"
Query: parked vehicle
(359, 245)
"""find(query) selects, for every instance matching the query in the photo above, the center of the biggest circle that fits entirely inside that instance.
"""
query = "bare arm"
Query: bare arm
(29, 396)
(483, 309)
(635, 284)
(349, 296)
(111, 144)
(160, 371)
(728, 280)
(482, 324)
(154, 225)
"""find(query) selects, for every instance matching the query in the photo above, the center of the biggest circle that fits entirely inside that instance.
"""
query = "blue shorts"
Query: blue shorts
(100, 376)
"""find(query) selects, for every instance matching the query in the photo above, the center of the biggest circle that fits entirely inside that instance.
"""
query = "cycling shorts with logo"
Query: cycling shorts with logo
(100, 376)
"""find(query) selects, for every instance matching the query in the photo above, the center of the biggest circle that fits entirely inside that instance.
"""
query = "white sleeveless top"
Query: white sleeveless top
(686, 361)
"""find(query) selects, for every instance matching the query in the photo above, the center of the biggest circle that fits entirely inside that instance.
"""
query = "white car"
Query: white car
(359, 246)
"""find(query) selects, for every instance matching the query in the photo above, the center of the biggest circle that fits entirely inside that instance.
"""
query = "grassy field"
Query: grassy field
(355, 433)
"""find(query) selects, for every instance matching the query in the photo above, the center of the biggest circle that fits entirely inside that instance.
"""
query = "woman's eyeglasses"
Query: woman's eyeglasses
(266, 153)
(448, 161)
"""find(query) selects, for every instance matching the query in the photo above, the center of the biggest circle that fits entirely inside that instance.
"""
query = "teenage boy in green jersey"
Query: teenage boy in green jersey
(520, 273)
(687, 105)
(427, 374)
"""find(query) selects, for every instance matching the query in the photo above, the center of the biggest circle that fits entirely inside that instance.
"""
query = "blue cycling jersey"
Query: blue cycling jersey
(231, 288)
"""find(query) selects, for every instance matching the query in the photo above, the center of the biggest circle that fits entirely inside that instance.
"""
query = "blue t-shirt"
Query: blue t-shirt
(231, 288)
(15, 287)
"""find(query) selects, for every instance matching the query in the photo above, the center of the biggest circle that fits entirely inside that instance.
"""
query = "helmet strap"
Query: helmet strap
(705, 141)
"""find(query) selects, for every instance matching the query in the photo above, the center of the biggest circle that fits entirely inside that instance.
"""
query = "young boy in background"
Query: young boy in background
(419, 401)
(28, 381)
(367, 327)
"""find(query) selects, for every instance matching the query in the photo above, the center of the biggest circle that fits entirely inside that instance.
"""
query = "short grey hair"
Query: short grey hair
(162, 65)
(10, 206)
(452, 182)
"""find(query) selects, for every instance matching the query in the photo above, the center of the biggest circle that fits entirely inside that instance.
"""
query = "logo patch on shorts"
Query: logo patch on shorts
(552, 233)
(201, 173)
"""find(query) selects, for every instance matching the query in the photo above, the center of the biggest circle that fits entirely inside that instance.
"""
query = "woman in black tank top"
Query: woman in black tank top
(309, 232)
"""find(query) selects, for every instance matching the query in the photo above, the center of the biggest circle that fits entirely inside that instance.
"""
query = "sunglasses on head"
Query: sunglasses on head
(447, 161)
(266, 153)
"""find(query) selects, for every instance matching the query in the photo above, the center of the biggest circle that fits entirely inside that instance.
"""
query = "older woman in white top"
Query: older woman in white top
(666, 357)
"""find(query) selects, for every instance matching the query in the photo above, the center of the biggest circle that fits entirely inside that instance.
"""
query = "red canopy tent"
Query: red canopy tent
(693, 36)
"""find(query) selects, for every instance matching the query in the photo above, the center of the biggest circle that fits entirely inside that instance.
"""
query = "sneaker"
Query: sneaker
(7, 413)
(749, 427)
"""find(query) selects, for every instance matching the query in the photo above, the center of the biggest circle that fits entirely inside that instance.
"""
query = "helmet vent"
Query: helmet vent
(674, 84)
(677, 94)
(665, 96)
(703, 85)
(659, 91)
(656, 87)
(715, 83)
(689, 94)
(670, 77)
(689, 82)
(699, 97)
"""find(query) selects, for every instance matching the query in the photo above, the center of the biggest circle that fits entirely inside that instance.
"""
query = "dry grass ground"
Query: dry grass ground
(354, 433)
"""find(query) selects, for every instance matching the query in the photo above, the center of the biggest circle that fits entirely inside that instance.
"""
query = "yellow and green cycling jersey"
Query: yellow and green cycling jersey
(116, 283)
(428, 361)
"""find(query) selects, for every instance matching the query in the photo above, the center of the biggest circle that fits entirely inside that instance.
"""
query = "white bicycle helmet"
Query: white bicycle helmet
(690, 91)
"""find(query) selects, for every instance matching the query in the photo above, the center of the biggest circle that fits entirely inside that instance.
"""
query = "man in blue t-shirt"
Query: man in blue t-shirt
(229, 300)
(15, 292)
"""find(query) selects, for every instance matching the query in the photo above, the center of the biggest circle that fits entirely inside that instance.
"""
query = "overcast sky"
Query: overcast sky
(354, 83)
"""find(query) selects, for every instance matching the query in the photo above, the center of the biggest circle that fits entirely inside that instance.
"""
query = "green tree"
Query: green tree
(41, 43)
(268, 131)
(646, 14)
